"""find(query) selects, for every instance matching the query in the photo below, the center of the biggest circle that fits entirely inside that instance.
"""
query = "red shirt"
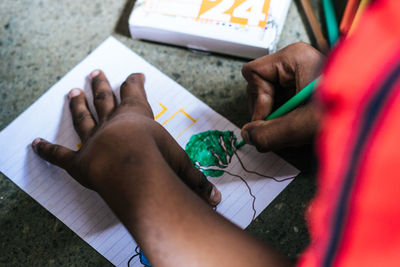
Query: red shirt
(355, 217)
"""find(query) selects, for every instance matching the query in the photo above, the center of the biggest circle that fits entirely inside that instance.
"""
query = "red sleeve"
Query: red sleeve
(355, 217)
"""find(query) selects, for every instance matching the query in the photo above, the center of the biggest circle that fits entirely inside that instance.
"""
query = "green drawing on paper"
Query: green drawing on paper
(211, 148)
(212, 151)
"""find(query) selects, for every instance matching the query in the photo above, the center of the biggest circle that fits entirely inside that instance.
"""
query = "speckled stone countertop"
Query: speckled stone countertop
(40, 41)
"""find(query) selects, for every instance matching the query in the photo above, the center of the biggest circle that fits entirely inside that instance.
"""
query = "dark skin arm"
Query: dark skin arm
(149, 182)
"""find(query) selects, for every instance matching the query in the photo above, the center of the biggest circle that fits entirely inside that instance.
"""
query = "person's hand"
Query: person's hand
(125, 139)
(272, 80)
(138, 169)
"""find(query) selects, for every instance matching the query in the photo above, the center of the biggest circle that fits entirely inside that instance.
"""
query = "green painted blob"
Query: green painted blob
(211, 148)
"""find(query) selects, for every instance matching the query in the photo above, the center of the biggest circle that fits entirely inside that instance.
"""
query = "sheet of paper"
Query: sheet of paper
(181, 113)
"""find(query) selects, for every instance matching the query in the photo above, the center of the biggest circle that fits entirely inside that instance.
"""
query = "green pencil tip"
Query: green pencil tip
(240, 144)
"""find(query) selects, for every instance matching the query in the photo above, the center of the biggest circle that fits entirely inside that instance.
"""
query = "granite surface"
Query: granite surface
(41, 40)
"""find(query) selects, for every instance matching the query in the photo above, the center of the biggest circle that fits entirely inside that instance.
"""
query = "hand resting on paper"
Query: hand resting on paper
(124, 136)
(272, 80)
(149, 182)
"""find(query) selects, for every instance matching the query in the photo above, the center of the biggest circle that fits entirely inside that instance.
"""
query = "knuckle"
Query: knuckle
(297, 47)
(53, 151)
(75, 102)
(301, 45)
(100, 84)
(310, 51)
(134, 101)
(132, 104)
(103, 95)
(79, 117)
(304, 51)
(137, 102)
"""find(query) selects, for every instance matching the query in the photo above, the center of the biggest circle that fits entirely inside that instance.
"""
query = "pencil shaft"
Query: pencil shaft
(294, 102)
(360, 10)
(316, 29)
(331, 21)
(348, 16)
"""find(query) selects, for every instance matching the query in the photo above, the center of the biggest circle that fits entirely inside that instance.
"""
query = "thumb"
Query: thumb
(293, 129)
(180, 162)
(196, 180)
(55, 154)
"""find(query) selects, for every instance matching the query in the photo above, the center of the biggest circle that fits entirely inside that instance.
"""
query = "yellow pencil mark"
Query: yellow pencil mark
(181, 133)
(186, 115)
(164, 109)
(79, 145)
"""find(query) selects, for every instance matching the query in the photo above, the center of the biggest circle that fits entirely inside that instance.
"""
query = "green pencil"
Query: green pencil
(331, 21)
(291, 104)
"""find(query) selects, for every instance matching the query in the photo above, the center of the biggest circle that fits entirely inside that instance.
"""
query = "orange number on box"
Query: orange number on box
(245, 12)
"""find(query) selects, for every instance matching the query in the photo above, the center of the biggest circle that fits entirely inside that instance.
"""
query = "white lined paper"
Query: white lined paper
(83, 210)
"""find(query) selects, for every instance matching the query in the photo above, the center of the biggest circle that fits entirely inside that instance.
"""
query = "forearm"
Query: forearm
(174, 226)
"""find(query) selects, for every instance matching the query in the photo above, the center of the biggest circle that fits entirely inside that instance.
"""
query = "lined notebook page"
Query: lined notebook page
(182, 115)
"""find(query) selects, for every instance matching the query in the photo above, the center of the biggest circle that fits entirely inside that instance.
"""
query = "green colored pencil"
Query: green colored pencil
(291, 104)
(331, 21)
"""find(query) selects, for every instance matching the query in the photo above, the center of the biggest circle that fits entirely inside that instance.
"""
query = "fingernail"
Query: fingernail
(94, 73)
(73, 93)
(215, 196)
(35, 143)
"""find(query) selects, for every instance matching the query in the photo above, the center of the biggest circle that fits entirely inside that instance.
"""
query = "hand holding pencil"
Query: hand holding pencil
(272, 80)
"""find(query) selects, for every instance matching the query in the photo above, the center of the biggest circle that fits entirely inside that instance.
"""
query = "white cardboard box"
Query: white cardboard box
(245, 28)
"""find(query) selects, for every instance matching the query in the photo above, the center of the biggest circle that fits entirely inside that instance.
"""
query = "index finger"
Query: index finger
(133, 94)
(276, 68)
(292, 67)
(262, 75)
(132, 90)
(260, 98)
